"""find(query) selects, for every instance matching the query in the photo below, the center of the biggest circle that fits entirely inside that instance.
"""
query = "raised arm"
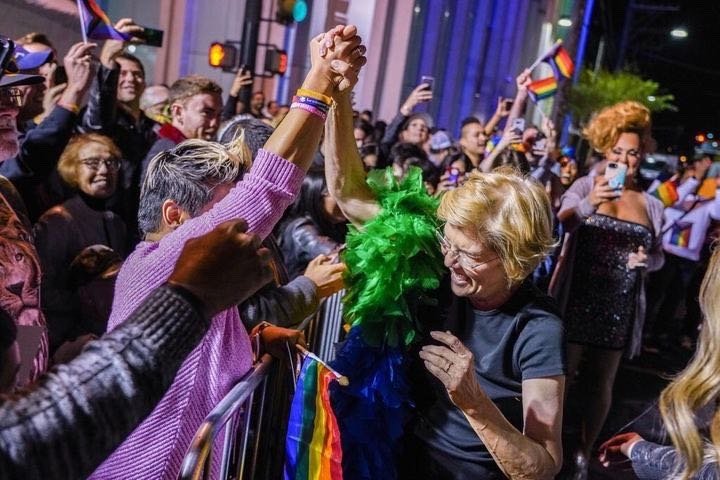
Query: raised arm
(298, 136)
(344, 169)
(522, 81)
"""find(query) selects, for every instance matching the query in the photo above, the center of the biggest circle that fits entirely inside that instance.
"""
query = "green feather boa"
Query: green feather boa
(392, 260)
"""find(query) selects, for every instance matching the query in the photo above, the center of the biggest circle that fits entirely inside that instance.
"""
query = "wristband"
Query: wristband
(305, 92)
(310, 109)
(312, 102)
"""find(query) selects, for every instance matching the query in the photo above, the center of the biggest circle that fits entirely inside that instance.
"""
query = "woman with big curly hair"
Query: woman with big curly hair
(613, 239)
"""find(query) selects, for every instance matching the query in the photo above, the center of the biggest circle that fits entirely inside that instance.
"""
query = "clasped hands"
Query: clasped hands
(339, 55)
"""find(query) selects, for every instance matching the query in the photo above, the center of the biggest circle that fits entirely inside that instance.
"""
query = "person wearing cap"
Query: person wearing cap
(39, 62)
(20, 289)
(440, 146)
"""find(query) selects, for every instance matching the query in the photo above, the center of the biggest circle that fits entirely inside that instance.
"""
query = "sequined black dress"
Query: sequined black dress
(604, 291)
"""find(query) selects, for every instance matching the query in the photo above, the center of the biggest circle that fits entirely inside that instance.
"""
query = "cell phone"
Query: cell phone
(519, 125)
(508, 104)
(615, 175)
(151, 36)
(60, 75)
(453, 175)
(430, 81)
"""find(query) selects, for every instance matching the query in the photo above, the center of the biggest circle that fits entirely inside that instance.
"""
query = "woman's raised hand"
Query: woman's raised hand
(339, 54)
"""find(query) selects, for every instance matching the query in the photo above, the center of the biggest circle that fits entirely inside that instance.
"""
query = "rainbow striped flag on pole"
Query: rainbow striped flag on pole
(666, 193)
(543, 88)
(313, 448)
(560, 61)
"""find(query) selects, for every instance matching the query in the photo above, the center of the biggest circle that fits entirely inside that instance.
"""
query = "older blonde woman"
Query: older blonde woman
(89, 165)
(489, 378)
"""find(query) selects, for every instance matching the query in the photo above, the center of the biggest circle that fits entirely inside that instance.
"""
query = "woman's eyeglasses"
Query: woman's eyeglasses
(466, 260)
(94, 163)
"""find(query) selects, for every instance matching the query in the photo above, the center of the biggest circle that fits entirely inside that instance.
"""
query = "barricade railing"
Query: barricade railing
(233, 412)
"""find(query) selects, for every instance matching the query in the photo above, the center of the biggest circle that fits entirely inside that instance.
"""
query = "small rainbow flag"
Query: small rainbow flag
(680, 235)
(313, 448)
(95, 23)
(543, 88)
(561, 63)
(666, 193)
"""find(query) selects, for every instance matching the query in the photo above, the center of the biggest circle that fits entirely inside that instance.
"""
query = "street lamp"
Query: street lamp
(679, 32)
(565, 21)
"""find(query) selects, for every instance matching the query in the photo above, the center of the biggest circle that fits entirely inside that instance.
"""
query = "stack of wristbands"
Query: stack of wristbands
(312, 102)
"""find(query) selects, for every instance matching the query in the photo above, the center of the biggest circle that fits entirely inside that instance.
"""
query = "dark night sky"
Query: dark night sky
(688, 68)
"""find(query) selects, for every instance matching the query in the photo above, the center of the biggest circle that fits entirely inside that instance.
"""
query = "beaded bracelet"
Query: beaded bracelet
(310, 109)
(312, 102)
(305, 92)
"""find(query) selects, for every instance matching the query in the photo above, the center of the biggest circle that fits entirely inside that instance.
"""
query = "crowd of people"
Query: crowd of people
(149, 230)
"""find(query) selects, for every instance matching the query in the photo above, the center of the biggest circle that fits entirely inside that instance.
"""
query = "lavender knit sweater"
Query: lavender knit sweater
(156, 448)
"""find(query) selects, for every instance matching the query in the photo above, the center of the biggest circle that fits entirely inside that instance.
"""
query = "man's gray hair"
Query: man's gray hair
(187, 174)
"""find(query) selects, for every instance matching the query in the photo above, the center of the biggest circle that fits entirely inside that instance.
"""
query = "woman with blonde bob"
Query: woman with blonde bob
(613, 240)
(694, 390)
(488, 371)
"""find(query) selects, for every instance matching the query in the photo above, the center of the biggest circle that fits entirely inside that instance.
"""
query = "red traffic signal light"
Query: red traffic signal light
(222, 55)
(276, 61)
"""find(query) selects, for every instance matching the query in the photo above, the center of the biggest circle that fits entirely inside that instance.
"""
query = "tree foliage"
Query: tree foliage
(597, 90)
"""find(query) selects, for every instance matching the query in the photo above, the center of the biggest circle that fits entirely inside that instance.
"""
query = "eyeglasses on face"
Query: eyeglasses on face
(466, 260)
(93, 163)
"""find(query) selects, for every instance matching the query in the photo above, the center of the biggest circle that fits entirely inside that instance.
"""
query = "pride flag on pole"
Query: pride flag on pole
(666, 193)
(313, 448)
(560, 61)
(95, 23)
(543, 88)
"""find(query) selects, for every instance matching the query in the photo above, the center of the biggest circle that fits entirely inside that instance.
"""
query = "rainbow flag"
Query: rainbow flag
(313, 448)
(666, 193)
(561, 63)
(680, 235)
(96, 24)
(543, 88)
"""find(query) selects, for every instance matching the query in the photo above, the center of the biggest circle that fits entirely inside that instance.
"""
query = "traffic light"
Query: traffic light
(223, 55)
(276, 61)
(289, 11)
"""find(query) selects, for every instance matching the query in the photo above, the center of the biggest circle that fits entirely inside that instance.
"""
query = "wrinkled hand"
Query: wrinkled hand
(274, 340)
(454, 367)
(79, 67)
(637, 259)
(338, 55)
(618, 445)
(223, 267)
(601, 192)
(243, 78)
(326, 275)
(420, 94)
(112, 48)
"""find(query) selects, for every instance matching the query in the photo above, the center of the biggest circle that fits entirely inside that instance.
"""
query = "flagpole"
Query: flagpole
(342, 379)
(545, 55)
(82, 22)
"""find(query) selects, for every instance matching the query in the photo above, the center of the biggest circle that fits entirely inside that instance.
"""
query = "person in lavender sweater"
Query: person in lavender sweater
(187, 191)
(78, 413)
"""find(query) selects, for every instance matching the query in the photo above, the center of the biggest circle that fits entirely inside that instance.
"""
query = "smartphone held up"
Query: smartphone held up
(429, 81)
(615, 173)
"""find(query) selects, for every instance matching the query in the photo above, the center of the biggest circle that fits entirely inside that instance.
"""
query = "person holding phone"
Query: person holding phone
(613, 239)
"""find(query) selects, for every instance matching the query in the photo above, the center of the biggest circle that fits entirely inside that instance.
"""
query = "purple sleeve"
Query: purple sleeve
(260, 199)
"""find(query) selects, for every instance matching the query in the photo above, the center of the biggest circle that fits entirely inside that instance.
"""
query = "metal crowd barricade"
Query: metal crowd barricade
(245, 417)
(234, 411)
